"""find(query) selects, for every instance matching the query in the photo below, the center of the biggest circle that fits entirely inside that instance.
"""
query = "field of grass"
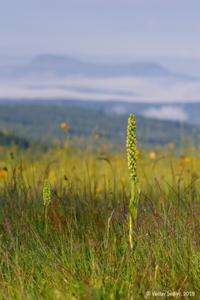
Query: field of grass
(85, 253)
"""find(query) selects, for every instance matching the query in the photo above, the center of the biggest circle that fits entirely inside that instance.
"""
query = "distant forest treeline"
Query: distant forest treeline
(41, 123)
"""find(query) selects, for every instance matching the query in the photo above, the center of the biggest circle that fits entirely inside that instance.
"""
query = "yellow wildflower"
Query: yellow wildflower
(152, 155)
(3, 172)
(186, 159)
(65, 126)
(98, 189)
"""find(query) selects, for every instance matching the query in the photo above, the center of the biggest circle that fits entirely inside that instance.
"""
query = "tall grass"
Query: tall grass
(85, 254)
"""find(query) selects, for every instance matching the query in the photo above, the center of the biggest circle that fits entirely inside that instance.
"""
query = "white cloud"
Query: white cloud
(132, 89)
(119, 109)
(172, 113)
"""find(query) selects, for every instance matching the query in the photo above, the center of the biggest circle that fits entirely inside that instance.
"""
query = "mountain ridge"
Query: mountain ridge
(66, 65)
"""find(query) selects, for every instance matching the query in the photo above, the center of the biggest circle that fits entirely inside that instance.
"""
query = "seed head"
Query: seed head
(131, 146)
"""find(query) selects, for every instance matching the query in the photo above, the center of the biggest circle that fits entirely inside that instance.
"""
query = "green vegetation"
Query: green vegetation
(7, 139)
(85, 253)
(41, 123)
(66, 213)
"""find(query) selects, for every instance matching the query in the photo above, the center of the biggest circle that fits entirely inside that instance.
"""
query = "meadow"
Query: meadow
(83, 251)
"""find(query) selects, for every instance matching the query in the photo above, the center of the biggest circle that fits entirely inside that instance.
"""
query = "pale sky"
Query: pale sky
(112, 29)
(162, 31)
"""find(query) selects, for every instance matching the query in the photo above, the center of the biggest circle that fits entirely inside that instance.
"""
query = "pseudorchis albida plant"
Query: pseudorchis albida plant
(132, 159)
(46, 200)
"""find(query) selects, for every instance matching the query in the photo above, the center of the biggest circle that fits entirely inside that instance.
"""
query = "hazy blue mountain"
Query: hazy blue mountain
(61, 65)
(66, 65)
